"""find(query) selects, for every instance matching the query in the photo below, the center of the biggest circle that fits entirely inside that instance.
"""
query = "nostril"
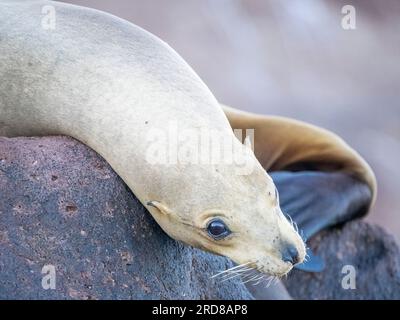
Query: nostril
(290, 254)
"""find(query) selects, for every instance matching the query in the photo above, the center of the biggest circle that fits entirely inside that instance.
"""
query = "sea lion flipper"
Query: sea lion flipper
(325, 181)
(317, 200)
(312, 263)
(286, 144)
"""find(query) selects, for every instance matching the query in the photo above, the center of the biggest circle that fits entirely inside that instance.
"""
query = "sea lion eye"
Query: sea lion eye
(217, 229)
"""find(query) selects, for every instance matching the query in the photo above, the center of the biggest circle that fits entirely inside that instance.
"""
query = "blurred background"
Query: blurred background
(293, 58)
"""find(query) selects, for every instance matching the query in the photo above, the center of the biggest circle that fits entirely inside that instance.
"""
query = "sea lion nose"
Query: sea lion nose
(290, 254)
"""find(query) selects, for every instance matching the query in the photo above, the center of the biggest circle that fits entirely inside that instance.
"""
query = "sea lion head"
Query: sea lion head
(234, 215)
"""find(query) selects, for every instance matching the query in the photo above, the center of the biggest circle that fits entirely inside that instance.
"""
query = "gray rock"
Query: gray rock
(62, 205)
(372, 252)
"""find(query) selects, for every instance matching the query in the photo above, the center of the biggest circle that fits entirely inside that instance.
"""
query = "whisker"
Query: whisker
(290, 219)
(303, 236)
(236, 275)
(235, 272)
(231, 277)
(269, 280)
(248, 275)
(251, 279)
(231, 269)
(259, 280)
(261, 275)
(296, 227)
(242, 269)
(243, 273)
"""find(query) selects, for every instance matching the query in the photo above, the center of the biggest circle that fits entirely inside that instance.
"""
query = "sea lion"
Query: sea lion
(112, 85)
(108, 83)
(321, 180)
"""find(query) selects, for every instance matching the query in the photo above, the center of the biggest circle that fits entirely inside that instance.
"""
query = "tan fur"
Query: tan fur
(109, 84)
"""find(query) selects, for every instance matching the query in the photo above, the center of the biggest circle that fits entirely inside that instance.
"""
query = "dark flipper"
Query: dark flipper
(313, 264)
(318, 200)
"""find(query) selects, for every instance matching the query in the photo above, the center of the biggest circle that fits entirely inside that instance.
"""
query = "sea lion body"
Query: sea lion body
(108, 83)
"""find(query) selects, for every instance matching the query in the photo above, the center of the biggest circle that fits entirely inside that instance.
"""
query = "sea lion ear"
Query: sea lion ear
(160, 206)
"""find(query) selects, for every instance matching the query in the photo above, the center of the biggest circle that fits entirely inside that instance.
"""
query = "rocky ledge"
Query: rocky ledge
(362, 262)
(71, 229)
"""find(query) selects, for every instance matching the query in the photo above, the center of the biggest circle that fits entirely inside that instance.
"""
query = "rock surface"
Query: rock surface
(372, 254)
(62, 205)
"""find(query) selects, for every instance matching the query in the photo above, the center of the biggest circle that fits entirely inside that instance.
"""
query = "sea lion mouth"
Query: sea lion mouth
(252, 272)
(277, 266)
